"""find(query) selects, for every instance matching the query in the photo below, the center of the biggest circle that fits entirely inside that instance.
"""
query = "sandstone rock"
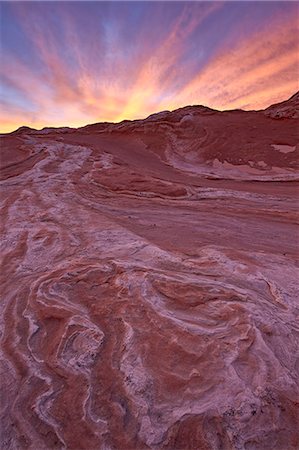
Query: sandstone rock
(149, 284)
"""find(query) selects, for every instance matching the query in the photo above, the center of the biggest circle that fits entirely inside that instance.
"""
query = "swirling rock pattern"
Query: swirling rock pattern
(149, 295)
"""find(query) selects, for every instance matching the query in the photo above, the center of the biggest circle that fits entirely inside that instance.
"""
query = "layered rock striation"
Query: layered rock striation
(149, 284)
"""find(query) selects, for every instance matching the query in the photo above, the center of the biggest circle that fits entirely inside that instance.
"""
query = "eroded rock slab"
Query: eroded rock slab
(149, 295)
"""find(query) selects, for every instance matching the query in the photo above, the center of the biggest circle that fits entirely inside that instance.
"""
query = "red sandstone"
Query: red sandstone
(149, 283)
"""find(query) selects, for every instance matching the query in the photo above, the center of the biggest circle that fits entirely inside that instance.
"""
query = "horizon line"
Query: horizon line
(152, 114)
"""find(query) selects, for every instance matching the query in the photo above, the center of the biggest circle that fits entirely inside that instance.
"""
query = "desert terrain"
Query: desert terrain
(149, 283)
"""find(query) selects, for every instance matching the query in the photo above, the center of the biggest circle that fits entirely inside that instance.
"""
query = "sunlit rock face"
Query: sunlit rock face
(149, 286)
(287, 109)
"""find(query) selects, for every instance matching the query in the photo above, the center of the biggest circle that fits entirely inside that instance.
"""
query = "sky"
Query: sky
(76, 63)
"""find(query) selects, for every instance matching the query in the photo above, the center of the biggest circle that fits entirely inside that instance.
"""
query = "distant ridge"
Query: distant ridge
(286, 109)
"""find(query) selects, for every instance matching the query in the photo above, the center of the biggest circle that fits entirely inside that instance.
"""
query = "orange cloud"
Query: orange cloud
(254, 74)
(67, 89)
(158, 72)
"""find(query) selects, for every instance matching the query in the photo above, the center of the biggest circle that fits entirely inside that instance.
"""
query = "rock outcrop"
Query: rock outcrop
(149, 284)
(288, 108)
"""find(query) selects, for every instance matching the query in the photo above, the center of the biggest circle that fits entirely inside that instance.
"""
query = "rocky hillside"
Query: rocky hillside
(288, 108)
(149, 283)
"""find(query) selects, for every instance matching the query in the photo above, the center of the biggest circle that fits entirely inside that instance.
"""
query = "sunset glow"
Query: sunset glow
(74, 63)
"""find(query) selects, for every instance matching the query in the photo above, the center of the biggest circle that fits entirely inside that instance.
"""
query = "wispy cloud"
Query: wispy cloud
(255, 72)
(78, 63)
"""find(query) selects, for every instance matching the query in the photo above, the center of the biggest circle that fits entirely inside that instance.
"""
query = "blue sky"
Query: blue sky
(72, 63)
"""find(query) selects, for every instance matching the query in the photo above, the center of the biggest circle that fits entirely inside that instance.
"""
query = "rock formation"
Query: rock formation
(149, 283)
(288, 109)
